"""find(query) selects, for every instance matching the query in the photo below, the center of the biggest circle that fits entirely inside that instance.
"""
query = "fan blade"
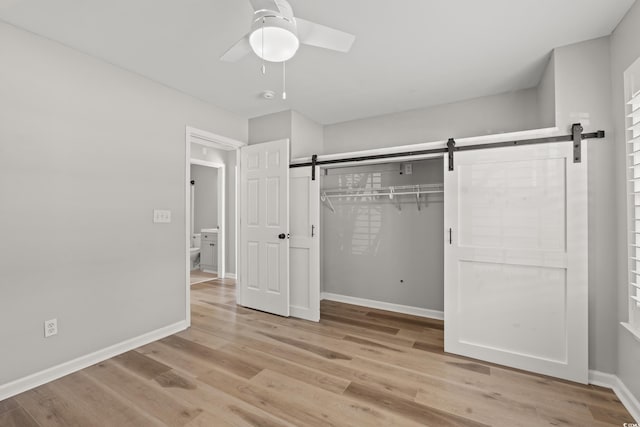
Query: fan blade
(318, 35)
(264, 5)
(238, 51)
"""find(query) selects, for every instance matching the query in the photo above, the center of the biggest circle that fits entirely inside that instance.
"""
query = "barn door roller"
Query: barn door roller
(314, 159)
(451, 145)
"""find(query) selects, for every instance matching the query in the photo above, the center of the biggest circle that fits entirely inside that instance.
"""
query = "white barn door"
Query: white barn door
(264, 228)
(304, 246)
(516, 288)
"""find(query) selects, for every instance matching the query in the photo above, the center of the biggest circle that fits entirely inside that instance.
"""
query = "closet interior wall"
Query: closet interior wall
(383, 249)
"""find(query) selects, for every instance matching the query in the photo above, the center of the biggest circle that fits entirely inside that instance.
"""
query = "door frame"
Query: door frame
(221, 211)
(217, 142)
(381, 305)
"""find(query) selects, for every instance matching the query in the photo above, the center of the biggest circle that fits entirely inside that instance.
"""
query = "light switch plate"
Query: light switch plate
(161, 216)
(408, 168)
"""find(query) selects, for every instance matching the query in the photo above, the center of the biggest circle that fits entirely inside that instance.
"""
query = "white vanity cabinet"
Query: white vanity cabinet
(209, 251)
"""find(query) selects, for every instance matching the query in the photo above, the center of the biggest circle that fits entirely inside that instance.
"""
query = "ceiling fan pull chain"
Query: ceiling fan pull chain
(264, 68)
(284, 80)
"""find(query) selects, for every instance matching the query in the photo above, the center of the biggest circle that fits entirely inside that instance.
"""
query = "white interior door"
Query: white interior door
(264, 218)
(516, 258)
(304, 246)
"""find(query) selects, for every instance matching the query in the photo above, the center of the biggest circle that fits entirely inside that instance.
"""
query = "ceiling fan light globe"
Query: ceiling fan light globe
(280, 44)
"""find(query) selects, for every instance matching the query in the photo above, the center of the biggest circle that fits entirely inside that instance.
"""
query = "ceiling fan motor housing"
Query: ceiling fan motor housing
(273, 19)
(281, 17)
(279, 30)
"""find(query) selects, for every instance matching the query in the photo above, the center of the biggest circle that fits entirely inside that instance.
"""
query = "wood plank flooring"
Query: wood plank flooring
(357, 367)
(197, 276)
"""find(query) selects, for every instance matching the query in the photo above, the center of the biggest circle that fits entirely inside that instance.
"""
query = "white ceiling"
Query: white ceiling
(407, 54)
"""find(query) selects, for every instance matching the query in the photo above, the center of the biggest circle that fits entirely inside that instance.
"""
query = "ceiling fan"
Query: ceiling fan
(276, 34)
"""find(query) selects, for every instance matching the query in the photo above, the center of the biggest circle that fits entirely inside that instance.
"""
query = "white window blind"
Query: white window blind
(632, 122)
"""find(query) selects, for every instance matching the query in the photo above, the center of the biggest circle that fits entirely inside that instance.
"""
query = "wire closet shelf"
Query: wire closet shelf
(392, 192)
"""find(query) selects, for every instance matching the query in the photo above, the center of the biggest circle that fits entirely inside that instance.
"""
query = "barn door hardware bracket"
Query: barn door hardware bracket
(314, 160)
(451, 145)
(576, 135)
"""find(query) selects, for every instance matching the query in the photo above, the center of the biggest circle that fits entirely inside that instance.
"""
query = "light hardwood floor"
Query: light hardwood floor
(357, 367)
(197, 276)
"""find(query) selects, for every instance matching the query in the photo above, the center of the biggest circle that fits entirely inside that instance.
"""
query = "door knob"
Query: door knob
(282, 236)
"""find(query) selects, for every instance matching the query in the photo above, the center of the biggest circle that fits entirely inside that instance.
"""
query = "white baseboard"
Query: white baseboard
(205, 270)
(398, 308)
(613, 382)
(231, 276)
(34, 380)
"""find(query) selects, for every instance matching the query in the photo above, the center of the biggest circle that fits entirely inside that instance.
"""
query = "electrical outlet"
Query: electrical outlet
(50, 327)
(408, 168)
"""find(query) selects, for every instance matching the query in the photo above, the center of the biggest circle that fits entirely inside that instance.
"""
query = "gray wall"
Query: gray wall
(625, 48)
(501, 113)
(87, 151)
(306, 136)
(481, 116)
(583, 95)
(546, 92)
(270, 127)
(368, 247)
(205, 200)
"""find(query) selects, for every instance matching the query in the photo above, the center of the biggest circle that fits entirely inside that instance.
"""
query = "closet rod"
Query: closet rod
(575, 137)
(402, 193)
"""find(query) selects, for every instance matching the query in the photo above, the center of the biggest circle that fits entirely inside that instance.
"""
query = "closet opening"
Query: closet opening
(357, 202)
(381, 235)
(500, 255)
